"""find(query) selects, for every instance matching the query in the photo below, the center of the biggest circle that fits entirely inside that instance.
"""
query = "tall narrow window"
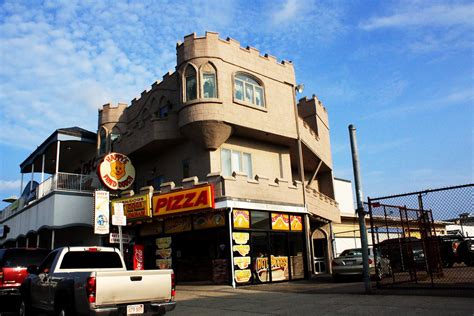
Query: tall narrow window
(191, 84)
(209, 81)
(102, 141)
(248, 90)
(185, 168)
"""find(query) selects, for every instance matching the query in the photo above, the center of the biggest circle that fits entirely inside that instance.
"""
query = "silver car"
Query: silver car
(349, 263)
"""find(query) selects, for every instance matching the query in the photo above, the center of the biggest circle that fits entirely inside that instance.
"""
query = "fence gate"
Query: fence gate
(424, 239)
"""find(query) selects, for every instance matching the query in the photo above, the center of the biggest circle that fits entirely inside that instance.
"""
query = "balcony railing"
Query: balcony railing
(60, 181)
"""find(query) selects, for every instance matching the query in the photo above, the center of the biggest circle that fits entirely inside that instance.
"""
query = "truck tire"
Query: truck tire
(25, 308)
(64, 305)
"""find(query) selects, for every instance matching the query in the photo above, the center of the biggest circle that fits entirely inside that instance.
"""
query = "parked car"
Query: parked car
(94, 281)
(448, 246)
(465, 252)
(13, 264)
(404, 253)
(350, 263)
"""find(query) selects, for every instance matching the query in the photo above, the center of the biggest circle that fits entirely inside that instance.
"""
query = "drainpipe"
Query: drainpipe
(309, 259)
(231, 249)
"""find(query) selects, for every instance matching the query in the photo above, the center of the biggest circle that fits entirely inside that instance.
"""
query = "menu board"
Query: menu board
(241, 219)
(296, 223)
(163, 253)
(241, 249)
(280, 221)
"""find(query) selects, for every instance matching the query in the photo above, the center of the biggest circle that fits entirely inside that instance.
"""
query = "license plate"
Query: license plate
(135, 309)
(349, 263)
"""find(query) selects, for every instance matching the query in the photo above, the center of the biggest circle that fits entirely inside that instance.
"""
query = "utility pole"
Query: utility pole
(360, 208)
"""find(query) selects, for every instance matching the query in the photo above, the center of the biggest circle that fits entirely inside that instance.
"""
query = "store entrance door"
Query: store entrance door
(319, 252)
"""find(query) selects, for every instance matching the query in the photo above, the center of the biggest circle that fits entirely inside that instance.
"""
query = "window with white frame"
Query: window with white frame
(209, 81)
(248, 90)
(234, 160)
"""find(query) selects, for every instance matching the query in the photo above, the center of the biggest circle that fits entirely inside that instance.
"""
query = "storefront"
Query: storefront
(267, 246)
(184, 231)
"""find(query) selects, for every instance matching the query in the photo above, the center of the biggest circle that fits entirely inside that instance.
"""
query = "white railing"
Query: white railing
(60, 181)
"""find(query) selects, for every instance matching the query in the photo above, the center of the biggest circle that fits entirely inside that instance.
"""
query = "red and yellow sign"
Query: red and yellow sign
(241, 219)
(135, 207)
(116, 171)
(183, 201)
(296, 223)
(280, 221)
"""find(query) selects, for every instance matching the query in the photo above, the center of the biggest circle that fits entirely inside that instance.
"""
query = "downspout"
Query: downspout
(301, 171)
(231, 249)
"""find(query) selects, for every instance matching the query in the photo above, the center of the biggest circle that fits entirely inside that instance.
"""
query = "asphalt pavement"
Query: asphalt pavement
(311, 297)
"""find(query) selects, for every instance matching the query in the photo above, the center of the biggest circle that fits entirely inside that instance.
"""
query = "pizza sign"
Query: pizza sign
(116, 171)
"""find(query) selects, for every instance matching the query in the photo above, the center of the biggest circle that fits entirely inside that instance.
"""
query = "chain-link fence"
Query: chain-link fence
(424, 239)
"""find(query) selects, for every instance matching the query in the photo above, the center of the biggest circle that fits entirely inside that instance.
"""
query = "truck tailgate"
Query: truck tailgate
(122, 287)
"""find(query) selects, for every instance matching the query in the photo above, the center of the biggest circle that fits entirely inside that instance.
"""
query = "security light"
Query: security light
(299, 88)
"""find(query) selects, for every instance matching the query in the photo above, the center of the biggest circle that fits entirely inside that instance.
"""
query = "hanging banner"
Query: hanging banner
(116, 171)
(183, 200)
(138, 257)
(136, 207)
(101, 212)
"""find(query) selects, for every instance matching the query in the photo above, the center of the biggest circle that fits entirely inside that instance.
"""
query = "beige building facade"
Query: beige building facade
(227, 117)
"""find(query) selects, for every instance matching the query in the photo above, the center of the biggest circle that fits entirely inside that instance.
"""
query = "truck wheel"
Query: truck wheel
(25, 308)
(64, 311)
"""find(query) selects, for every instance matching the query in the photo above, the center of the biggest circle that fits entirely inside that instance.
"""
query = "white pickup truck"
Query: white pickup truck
(94, 281)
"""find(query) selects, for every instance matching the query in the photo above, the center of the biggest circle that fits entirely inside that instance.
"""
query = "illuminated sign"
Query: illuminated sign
(135, 207)
(184, 200)
(116, 171)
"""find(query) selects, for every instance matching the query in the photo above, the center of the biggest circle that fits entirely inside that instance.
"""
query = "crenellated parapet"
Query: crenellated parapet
(211, 44)
(312, 109)
(240, 186)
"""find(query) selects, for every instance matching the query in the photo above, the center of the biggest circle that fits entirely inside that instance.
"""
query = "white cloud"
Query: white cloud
(9, 185)
(455, 98)
(418, 16)
(287, 12)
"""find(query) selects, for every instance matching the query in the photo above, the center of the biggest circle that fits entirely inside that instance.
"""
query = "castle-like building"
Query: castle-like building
(226, 121)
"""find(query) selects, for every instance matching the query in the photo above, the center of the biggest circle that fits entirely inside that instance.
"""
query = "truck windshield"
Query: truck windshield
(91, 260)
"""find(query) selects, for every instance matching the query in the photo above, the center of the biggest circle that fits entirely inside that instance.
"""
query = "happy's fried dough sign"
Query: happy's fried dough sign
(116, 171)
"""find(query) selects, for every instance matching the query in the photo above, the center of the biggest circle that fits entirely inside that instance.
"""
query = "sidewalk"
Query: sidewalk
(310, 298)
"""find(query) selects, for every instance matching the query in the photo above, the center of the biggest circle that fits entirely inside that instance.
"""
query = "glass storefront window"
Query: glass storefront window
(259, 220)
(279, 256)
(297, 256)
(259, 248)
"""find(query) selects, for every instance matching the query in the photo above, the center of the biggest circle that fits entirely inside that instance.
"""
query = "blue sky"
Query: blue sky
(401, 71)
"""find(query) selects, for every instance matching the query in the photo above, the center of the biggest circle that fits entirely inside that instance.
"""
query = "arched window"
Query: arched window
(209, 81)
(102, 141)
(248, 90)
(190, 83)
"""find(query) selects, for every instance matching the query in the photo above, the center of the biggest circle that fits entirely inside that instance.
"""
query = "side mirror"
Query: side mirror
(33, 269)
